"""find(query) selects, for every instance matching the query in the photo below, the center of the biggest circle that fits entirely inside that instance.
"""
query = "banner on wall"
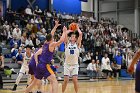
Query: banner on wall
(67, 6)
(17, 4)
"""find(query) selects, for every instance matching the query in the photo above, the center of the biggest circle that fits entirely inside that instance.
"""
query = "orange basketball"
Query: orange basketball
(73, 27)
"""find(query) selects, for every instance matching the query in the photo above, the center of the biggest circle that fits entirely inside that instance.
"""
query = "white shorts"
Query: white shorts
(71, 70)
(24, 69)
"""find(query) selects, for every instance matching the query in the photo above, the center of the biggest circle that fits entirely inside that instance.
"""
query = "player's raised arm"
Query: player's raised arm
(66, 40)
(55, 44)
(55, 27)
(134, 61)
(80, 37)
(37, 54)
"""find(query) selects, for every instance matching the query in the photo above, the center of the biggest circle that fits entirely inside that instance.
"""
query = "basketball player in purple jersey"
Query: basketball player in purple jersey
(71, 67)
(43, 58)
(32, 63)
(131, 70)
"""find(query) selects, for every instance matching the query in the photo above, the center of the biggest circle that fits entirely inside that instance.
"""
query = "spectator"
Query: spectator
(17, 32)
(29, 27)
(84, 58)
(106, 68)
(60, 53)
(3, 34)
(22, 48)
(23, 21)
(49, 14)
(82, 50)
(88, 57)
(14, 41)
(129, 59)
(28, 10)
(119, 60)
(29, 42)
(105, 59)
(91, 69)
(36, 20)
(115, 68)
(23, 38)
(42, 34)
(97, 56)
(37, 10)
(35, 40)
(19, 57)
(9, 35)
(6, 25)
(98, 68)
(14, 52)
(34, 29)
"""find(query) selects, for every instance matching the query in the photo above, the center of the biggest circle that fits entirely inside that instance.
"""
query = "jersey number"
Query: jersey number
(71, 52)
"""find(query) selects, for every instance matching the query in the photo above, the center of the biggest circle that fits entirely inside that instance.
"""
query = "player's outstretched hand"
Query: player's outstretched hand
(64, 29)
(77, 26)
(57, 23)
(131, 69)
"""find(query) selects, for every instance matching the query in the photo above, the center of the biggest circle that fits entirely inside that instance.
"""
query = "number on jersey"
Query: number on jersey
(71, 52)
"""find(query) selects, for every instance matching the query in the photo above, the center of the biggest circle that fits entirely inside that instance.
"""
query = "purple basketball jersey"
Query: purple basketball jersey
(46, 56)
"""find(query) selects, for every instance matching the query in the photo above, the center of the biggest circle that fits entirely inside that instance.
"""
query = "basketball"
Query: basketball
(73, 27)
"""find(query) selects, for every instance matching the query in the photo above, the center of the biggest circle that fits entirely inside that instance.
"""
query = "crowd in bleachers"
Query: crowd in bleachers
(106, 47)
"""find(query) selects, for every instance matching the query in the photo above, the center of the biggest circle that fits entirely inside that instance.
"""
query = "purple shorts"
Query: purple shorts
(32, 66)
(43, 71)
(137, 84)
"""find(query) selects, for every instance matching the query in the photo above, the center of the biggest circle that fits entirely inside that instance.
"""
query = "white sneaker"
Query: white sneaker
(59, 78)
(91, 80)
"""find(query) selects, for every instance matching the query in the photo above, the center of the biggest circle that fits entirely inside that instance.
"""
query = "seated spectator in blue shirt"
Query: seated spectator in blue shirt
(14, 52)
(13, 41)
(22, 48)
(60, 53)
(19, 56)
(118, 59)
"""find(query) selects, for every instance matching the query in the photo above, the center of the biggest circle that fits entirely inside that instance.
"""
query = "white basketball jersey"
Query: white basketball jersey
(27, 59)
(71, 54)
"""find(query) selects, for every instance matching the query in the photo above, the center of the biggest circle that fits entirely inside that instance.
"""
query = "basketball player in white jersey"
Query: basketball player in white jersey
(24, 68)
(71, 67)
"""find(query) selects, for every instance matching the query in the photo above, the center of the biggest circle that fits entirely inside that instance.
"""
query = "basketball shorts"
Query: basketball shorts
(137, 83)
(71, 70)
(32, 67)
(43, 71)
(24, 69)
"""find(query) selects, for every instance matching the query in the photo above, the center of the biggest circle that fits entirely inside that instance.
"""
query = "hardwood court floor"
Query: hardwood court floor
(123, 86)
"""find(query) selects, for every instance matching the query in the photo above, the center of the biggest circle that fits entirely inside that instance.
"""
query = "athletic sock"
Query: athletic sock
(1, 86)
(15, 87)
(27, 86)
(38, 92)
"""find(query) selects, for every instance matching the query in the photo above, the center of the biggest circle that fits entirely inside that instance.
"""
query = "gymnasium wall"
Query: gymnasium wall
(87, 6)
(122, 11)
(67, 6)
(108, 10)
(16, 4)
(127, 17)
